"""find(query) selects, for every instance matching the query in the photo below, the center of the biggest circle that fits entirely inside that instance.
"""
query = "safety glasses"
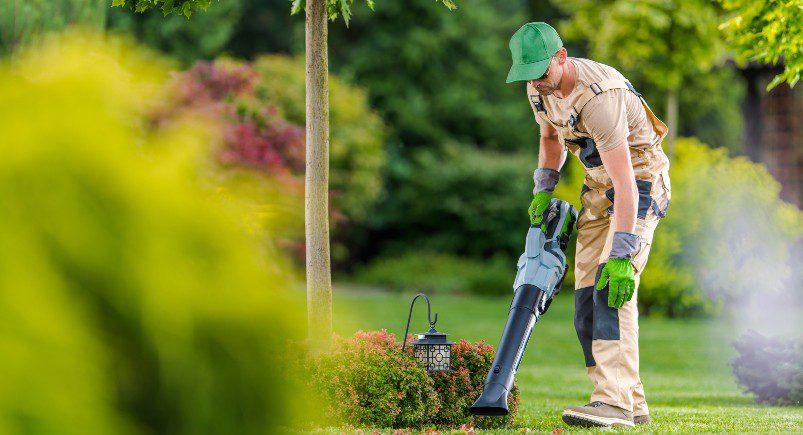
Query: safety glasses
(546, 73)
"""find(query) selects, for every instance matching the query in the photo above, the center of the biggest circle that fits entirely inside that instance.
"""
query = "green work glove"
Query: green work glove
(537, 208)
(621, 275)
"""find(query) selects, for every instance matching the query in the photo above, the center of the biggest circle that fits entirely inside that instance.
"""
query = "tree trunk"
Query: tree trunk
(671, 120)
(316, 199)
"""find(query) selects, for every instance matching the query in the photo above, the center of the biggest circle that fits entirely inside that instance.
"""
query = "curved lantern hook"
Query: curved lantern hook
(410, 315)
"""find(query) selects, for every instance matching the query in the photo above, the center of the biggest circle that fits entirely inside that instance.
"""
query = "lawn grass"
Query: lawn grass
(684, 363)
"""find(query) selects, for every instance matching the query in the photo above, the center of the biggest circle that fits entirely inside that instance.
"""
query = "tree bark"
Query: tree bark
(316, 198)
(671, 120)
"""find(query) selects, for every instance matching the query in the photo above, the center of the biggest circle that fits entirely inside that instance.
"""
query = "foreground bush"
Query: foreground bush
(133, 300)
(770, 368)
(367, 381)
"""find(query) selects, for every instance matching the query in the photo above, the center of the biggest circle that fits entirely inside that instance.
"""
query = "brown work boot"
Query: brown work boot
(641, 419)
(597, 414)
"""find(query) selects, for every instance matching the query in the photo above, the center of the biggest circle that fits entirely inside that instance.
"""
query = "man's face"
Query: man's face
(550, 82)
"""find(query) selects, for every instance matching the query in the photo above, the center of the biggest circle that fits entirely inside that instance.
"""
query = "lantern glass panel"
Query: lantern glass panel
(435, 357)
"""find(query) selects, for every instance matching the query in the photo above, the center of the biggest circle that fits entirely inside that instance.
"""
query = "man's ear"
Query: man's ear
(562, 55)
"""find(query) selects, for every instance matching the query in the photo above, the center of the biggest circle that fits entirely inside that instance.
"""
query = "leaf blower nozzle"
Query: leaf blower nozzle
(541, 269)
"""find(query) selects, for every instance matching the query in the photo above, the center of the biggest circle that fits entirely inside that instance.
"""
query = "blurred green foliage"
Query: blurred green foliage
(134, 299)
(25, 21)
(440, 273)
(460, 220)
(436, 76)
(167, 7)
(358, 134)
(338, 8)
(460, 200)
(242, 28)
(716, 118)
(727, 235)
(202, 37)
(767, 31)
(663, 40)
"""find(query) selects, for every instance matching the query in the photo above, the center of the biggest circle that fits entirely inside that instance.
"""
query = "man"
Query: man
(594, 112)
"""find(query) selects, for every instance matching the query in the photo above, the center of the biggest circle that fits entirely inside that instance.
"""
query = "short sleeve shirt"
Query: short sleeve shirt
(610, 118)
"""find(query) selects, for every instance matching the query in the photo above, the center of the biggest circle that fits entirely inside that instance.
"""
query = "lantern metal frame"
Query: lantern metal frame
(431, 348)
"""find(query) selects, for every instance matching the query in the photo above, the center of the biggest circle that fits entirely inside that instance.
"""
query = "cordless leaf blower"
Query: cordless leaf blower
(541, 269)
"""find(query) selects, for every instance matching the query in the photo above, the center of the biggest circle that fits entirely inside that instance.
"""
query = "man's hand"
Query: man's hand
(621, 275)
(537, 208)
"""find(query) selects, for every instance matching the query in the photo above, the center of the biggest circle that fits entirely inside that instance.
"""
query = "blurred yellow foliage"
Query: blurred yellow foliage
(132, 296)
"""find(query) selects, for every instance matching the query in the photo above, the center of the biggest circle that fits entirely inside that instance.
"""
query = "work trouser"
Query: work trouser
(609, 337)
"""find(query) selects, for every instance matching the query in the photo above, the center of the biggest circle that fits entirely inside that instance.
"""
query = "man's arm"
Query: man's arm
(605, 118)
(618, 166)
(551, 153)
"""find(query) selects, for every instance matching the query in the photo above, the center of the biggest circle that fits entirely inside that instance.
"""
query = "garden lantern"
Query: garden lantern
(431, 348)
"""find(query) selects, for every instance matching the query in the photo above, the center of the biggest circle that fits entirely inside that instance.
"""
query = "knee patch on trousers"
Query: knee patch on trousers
(584, 321)
(606, 319)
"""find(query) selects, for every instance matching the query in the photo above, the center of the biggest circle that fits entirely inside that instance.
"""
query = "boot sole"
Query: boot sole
(587, 420)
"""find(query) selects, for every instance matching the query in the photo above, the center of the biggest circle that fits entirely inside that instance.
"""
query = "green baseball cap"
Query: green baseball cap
(531, 47)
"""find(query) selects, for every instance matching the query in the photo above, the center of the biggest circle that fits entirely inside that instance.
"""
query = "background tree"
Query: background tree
(767, 31)
(23, 21)
(316, 203)
(663, 42)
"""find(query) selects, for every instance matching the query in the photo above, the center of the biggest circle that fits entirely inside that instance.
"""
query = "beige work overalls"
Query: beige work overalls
(609, 337)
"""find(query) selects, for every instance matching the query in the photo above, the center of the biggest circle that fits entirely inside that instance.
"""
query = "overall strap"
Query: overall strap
(594, 90)
(538, 103)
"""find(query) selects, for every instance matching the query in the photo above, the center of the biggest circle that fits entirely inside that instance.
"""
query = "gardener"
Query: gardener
(594, 112)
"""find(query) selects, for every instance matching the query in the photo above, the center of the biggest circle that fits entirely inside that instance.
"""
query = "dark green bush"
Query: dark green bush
(434, 76)
(459, 200)
(770, 368)
(432, 273)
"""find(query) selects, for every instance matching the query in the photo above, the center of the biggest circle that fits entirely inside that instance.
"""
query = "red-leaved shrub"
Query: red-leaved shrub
(459, 388)
(254, 133)
(367, 381)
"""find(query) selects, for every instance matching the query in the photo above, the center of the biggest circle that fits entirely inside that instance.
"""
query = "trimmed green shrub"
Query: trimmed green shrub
(434, 273)
(459, 388)
(368, 381)
(134, 300)
(770, 368)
